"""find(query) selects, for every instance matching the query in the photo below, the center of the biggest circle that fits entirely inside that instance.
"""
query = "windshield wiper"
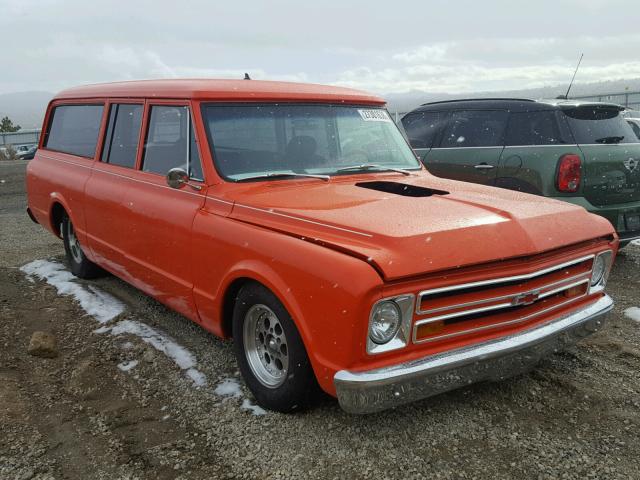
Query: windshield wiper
(612, 139)
(373, 166)
(274, 175)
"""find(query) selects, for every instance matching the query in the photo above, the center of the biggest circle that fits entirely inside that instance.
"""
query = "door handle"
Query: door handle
(484, 166)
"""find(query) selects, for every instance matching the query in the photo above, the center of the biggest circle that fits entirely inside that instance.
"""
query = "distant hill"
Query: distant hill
(404, 102)
(25, 108)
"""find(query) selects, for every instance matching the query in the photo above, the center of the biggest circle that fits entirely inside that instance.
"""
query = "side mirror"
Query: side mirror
(177, 178)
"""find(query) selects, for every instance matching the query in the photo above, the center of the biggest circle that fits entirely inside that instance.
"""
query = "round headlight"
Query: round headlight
(385, 321)
(599, 267)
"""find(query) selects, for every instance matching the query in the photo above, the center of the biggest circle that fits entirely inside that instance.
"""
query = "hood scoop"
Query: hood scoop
(401, 189)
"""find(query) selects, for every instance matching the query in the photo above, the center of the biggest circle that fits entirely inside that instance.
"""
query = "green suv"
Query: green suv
(583, 153)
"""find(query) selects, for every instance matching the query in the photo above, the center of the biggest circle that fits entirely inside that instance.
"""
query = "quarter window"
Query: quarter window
(74, 129)
(475, 128)
(171, 142)
(535, 128)
(121, 141)
(423, 127)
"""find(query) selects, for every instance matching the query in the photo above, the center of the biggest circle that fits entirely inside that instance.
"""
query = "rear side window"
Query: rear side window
(635, 128)
(475, 128)
(74, 129)
(121, 141)
(171, 142)
(597, 125)
(423, 127)
(535, 128)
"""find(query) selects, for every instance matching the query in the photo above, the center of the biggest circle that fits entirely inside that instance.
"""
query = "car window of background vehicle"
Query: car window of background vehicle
(599, 126)
(475, 128)
(534, 128)
(422, 127)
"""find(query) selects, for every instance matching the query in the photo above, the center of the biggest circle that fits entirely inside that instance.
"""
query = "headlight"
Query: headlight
(600, 271)
(599, 268)
(385, 321)
(390, 323)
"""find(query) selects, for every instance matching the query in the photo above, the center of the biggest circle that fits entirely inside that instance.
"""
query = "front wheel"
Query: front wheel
(270, 352)
(80, 265)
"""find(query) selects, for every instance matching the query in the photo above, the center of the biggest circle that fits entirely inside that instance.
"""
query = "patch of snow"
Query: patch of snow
(126, 366)
(163, 343)
(126, 346)
(229, 387)
(100, 305)
(636, 242)
(633, 313)
(255, 409)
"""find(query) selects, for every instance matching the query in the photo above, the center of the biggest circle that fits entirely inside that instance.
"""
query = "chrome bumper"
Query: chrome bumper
(374, 390)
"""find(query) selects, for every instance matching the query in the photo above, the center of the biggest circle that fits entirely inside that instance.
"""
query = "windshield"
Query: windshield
(597, 125)
(258, 140)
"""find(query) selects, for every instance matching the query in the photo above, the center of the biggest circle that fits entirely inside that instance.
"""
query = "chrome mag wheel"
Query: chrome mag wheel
(74, 245)
(266, 346)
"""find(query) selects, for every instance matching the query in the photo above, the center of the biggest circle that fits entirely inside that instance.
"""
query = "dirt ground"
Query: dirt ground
(79, 416)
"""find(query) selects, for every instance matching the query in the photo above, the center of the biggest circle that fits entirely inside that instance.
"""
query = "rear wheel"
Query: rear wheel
(270, 352)
(80, 265)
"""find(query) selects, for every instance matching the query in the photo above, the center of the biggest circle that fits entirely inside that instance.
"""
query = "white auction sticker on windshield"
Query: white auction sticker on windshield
(374, 115)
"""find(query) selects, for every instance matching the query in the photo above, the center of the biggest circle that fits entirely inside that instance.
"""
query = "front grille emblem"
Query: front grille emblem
(525, 298)
(631, 164)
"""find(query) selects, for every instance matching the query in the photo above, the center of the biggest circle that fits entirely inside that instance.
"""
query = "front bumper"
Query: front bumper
(376, 390)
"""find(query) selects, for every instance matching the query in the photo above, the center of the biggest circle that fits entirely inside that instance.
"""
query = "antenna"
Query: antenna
(247, 77)
(566, 95)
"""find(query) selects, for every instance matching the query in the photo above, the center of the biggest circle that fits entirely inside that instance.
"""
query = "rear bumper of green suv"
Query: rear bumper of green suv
(614, 213)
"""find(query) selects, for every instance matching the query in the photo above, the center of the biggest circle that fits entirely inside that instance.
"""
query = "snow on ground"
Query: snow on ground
(636, 242)
(100, 305)
(230, 387)
(163, 343)
(633, 313)
(126, 366)
(104, 308)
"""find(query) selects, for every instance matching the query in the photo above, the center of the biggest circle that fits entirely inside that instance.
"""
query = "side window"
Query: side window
(475, 128)
(534, 128)
(423, 127)
(636, 129)
(74, 129)
(170, 142)
(121, 140)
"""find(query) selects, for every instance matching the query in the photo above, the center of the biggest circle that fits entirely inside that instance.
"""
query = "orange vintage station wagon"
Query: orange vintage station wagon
(296, 219)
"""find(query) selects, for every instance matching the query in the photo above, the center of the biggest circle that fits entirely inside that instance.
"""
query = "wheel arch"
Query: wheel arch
(257, 272)
(58, 208)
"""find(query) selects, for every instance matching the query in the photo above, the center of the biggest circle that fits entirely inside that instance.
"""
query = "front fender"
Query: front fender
(327, 293)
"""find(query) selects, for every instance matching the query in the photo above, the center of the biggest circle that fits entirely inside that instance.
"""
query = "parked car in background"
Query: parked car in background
(583, 153)
(635, 125)
(296, 219)
(27, 153)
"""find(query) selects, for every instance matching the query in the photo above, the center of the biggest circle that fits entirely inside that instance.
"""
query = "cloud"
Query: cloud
(394, 47)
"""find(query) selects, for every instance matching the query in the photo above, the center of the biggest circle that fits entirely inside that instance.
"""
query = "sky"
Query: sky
(380, 46)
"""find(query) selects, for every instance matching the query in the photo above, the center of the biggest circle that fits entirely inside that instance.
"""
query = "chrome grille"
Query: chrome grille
(466, 308)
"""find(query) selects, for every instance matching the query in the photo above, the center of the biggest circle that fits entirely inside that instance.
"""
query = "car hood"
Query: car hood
(402, 235)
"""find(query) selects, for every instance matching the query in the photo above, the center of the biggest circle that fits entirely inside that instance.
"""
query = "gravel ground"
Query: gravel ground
(79, 416)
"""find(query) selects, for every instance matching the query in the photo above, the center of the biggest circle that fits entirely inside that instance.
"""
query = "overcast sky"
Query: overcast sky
(381, 46)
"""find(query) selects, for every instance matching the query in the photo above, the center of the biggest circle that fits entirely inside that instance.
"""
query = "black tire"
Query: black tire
(80, 265)
(299, 387)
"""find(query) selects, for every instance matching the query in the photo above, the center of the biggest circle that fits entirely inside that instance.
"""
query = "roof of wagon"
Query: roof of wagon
(225, 90)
